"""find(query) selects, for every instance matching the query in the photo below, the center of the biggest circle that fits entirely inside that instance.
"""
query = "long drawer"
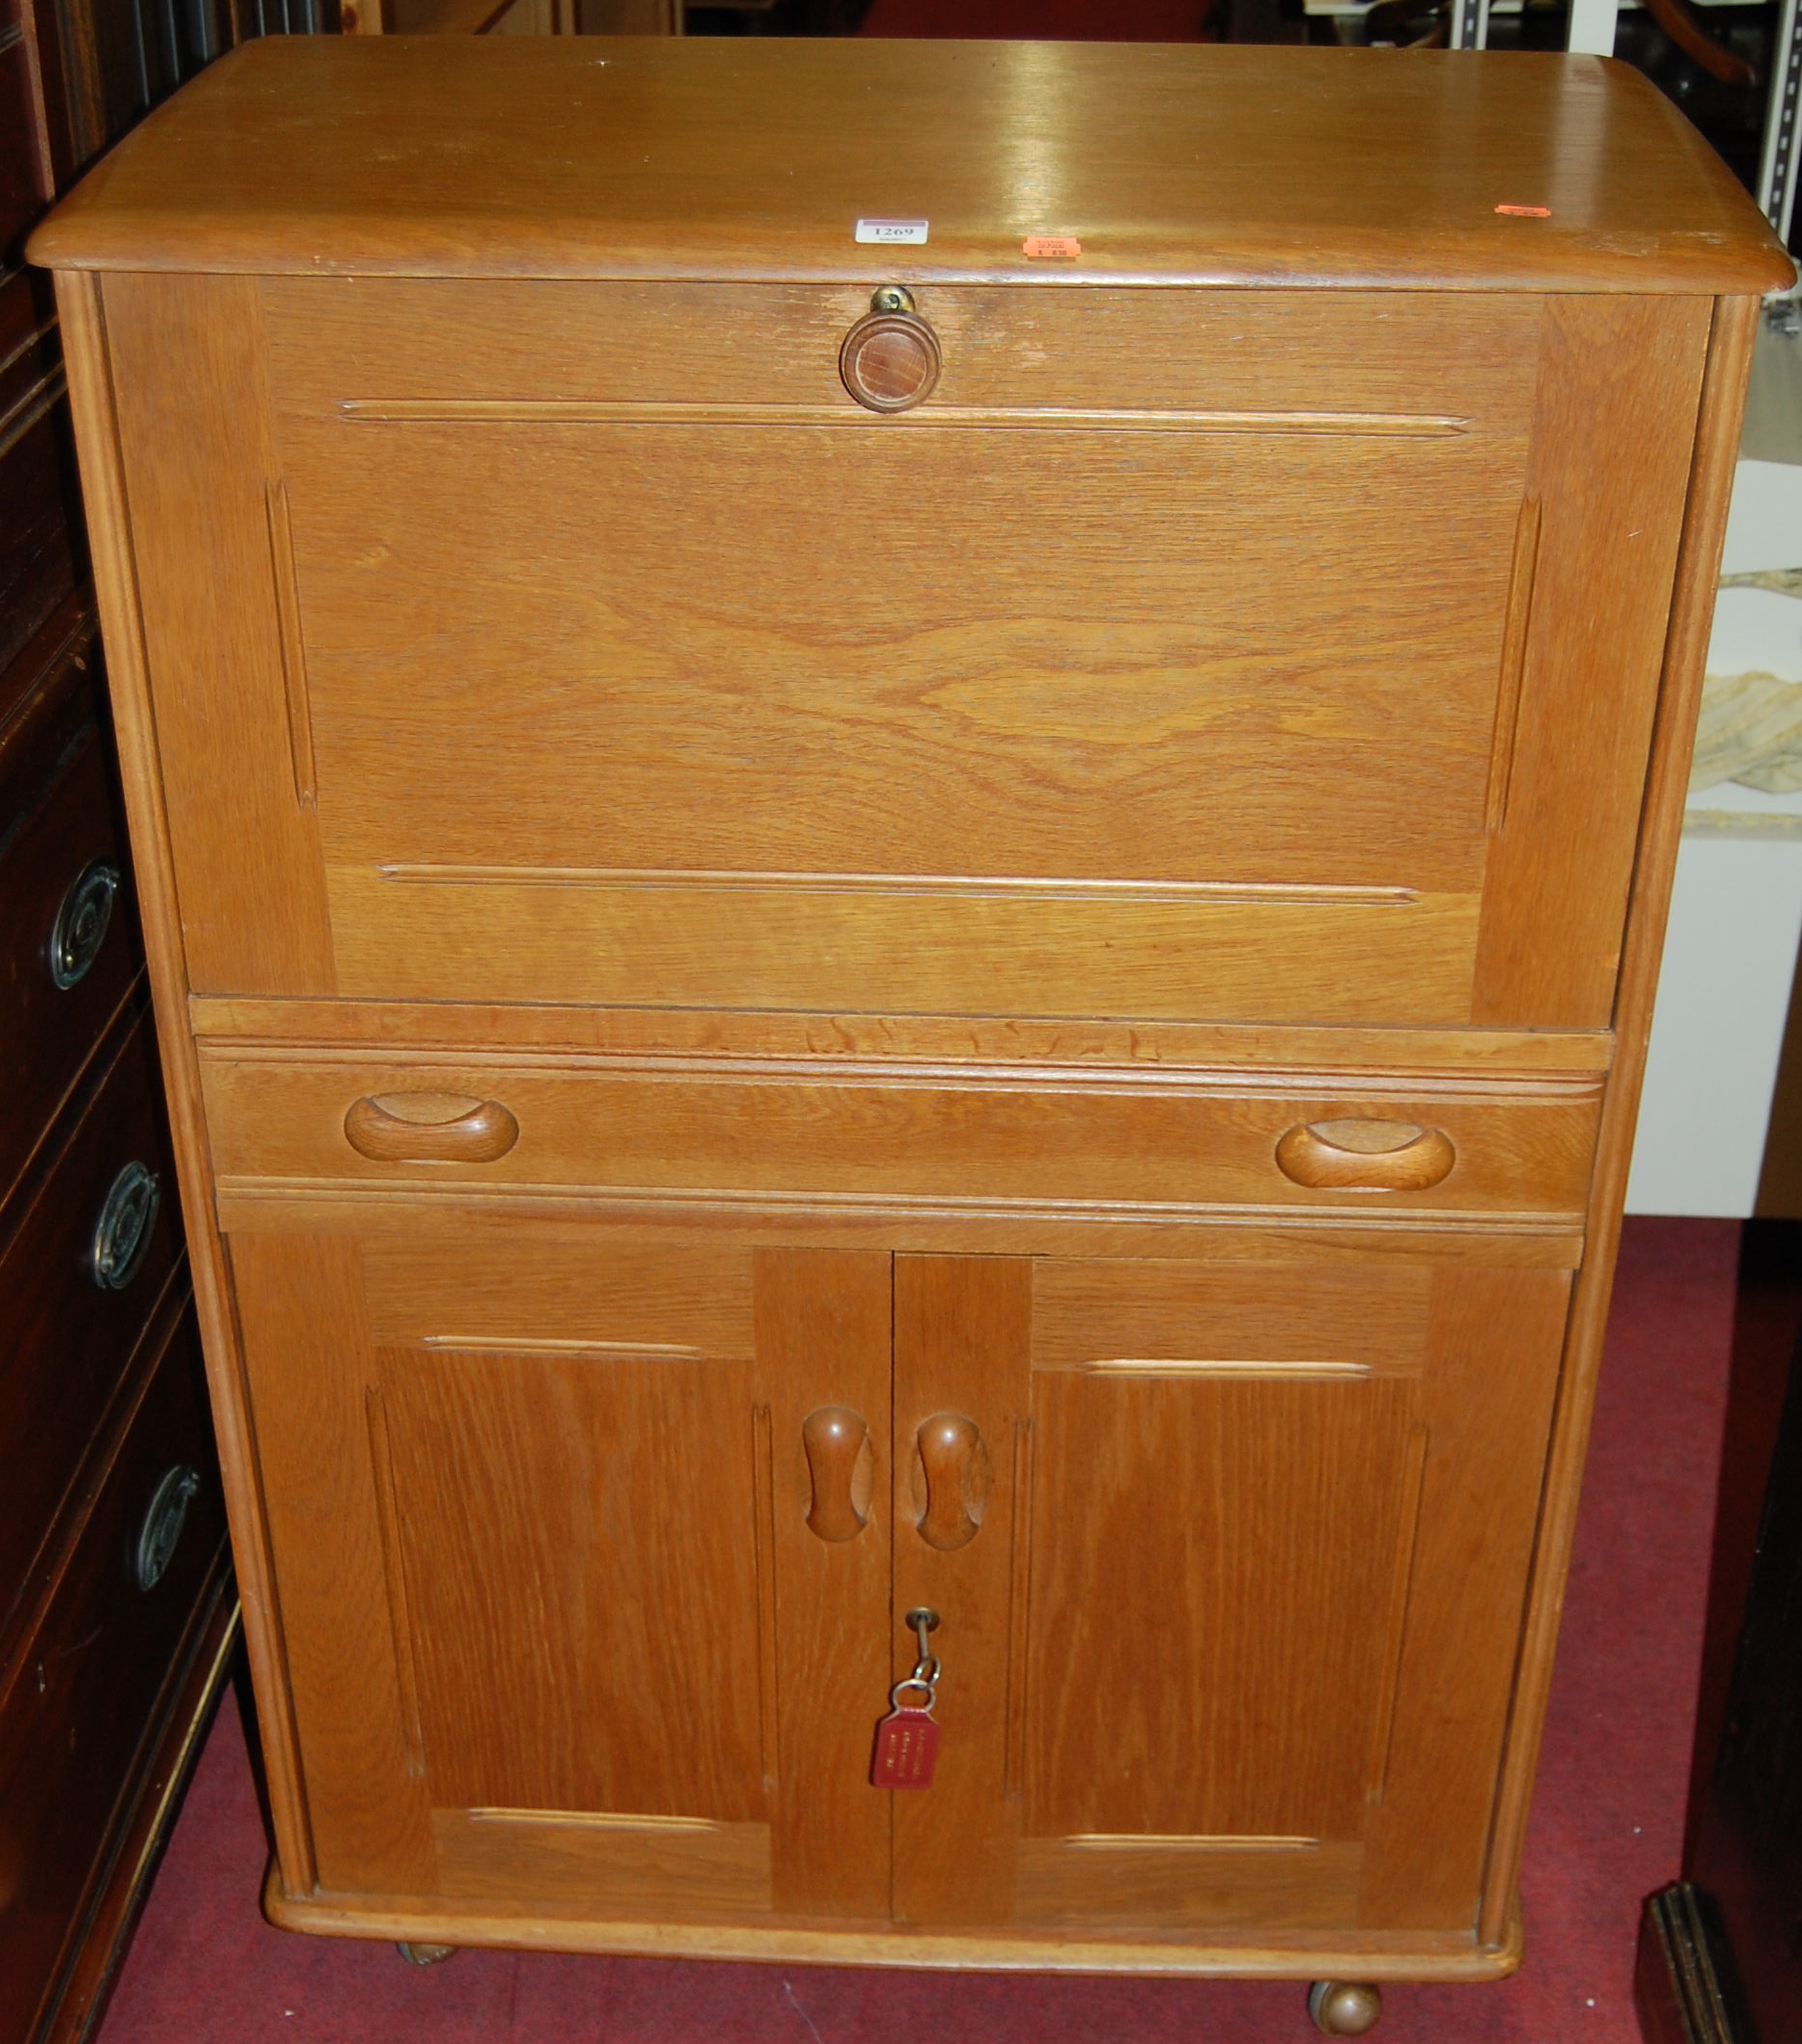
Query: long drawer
(83, 1688)
(881, 1138)
(68, 946)
(78, 1280)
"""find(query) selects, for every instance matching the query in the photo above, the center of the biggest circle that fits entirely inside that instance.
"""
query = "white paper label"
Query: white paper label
(913, 231)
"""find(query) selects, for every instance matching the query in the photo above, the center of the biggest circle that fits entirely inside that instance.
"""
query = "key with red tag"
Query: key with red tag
(906, 1740)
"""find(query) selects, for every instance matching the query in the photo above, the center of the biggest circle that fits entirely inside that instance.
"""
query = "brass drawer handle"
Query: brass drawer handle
(128, 1219)
(890, 359)
(163, 1519)
(429, 1129)
(83, 918)
(1366, 1155)
(840, 1470)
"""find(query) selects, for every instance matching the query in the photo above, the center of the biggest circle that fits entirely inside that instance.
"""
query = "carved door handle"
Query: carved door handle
(842, 1471)
(1366, 1155)
(951, 1478)
(429, 1129)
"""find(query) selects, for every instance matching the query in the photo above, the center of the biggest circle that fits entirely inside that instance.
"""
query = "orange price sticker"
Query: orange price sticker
(1057, 246)
(1526, 212)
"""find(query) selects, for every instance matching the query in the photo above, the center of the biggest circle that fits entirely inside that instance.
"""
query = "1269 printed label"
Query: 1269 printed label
(911, 232)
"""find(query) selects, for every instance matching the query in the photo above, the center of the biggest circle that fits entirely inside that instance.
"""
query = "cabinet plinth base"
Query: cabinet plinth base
(425, 1923)
(1344, 2008)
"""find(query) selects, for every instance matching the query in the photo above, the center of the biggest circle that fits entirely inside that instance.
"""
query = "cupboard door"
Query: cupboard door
(535, 1495)
(1233, 1644)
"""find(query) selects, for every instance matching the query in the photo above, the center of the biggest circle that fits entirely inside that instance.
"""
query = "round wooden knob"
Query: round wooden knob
(889, 360)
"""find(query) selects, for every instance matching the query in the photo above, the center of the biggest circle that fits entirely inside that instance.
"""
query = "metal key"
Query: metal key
(906, 1740)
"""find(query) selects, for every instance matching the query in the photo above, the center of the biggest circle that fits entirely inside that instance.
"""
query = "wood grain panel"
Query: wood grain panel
(193, 433)
(476, 660)
(1189, 1883)
(825, 1323)
(334, 340)
(1078, 1144)
(925, 1228)
(865, 945)
(1731, 339)
(1088, 1314)
(309, 1360)
(1353, 1054)
(1047, 729)
(1248, 1528)
(648, 1870)
(1486, 1404)
(963, 1344)
(1619, 381)
(578, 1533)
(570, 1285)
(116, 588)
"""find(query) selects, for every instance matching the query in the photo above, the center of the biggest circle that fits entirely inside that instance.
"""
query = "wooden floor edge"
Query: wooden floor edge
(1438, 1957)
(199, 1678)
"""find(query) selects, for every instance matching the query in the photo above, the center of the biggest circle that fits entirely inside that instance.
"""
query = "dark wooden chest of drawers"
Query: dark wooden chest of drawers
(113, 1580)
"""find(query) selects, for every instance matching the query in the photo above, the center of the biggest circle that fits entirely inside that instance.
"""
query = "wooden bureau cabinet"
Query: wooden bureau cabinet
(846, 930)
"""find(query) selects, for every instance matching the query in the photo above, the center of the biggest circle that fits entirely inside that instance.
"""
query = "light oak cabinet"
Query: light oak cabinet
(849, 930)
(1229, 1558)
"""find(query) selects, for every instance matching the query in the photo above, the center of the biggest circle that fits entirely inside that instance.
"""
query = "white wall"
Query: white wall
(1735, 916)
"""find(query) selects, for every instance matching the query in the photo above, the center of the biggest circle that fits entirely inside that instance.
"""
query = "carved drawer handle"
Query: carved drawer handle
(841, 1469)
(429, 1129)
(1366, 1155)
(951, 1478)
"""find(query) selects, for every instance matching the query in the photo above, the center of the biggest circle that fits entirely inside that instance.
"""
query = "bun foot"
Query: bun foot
(1344, 2008)
(425, 1954)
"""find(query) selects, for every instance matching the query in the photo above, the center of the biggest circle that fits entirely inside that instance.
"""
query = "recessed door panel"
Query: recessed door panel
(578, 1537)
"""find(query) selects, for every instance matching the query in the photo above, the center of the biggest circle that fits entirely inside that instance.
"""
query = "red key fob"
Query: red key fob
(906, 1749)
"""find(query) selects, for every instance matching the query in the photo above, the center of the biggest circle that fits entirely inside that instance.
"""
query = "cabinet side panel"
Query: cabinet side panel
(311, 1363)
(81, 310)
(193, 430)
(1493, 1351)
(1698, 568)
(824, 1323)
(1620, 379)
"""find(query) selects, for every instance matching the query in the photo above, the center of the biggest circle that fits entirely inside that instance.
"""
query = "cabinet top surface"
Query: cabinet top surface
(749, 158)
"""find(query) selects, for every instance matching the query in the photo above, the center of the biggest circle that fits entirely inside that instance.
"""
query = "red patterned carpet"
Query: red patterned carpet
(1607, 1821)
